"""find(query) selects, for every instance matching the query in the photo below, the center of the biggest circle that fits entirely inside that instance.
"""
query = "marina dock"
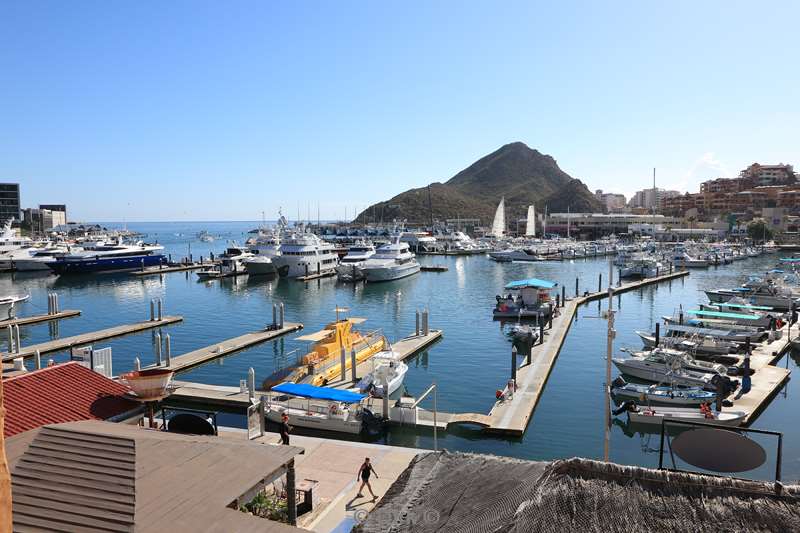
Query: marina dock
(316, 275)
(66, 343)
(227, 347)
(512, 416)
(36, 319)
(167, 269)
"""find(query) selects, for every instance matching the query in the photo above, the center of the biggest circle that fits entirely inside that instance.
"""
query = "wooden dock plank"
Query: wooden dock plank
(66, 343)
(36, 319)
(223, 348)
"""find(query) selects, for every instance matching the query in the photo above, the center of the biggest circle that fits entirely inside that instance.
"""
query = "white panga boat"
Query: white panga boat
(320, 408)
(654, 415)
(660, 394)
(387, 368)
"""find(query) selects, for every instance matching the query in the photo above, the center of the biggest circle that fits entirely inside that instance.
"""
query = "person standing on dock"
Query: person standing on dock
(364, 473)
(285, 429)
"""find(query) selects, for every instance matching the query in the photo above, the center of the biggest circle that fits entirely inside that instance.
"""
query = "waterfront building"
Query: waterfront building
(41, 220)
(593, 225)
(612, 201)
(9, 202)
(650, 198)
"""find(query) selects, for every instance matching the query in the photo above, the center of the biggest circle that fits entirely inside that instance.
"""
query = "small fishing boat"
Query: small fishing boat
(387, 369)
(655, 415)
(532, 301)
(320, 408)
(660, 394)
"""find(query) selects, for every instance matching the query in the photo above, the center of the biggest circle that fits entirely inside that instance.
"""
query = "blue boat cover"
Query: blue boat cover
(532, 282)
(720, 314)
(319, 393)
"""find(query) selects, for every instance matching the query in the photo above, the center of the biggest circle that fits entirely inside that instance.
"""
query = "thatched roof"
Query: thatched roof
(483, 493)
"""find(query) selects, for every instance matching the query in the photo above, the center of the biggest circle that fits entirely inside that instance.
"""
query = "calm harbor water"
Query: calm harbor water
(468, 365)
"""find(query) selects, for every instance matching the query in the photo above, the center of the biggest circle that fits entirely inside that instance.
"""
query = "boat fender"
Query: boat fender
(727, 403)
(498, 394)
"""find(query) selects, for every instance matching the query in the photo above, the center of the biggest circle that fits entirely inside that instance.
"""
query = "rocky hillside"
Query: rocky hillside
(523, 175)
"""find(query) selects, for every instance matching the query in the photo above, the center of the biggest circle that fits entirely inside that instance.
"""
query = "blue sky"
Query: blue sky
(219, 110)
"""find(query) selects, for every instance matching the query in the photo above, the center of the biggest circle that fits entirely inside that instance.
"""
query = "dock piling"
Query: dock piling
(274, 316)
(56, 304)
(159, 310)
(417, 321)
(576, 287)
(353, 365)
(658, 332)
(425, 326)
(49, 303)
(563, 295)
(19, 339)
(385, 397)
(600, 282)
(167, 349)
(514, 363)
(137, 364)
(37, 360)
(158, 349)
(152, 310)
(282, 309)
(541, 332)
(251, 384)
(11, 344)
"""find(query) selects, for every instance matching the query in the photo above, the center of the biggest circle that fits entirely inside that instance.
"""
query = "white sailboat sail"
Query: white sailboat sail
(499, 223)
(530, 226)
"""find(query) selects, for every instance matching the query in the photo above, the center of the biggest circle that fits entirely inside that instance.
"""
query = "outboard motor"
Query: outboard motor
(370, 423)
(619, 382)
(628, 405)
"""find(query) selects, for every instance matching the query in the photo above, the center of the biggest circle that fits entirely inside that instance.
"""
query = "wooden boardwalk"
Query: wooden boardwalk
(83, 339)
(223, 348)
(36, 319)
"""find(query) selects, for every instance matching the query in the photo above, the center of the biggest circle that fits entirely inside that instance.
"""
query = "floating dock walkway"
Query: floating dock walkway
(36, 319)
(195, 358)
(512, 416)
(66, 343)
(152, 271)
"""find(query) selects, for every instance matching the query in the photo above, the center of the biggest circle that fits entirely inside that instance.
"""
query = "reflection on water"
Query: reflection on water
(468, 365)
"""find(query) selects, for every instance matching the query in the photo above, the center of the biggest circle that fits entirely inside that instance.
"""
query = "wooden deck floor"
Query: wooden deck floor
(66, 343)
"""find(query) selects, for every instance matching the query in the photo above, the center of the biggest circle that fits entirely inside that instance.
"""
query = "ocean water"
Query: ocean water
(468, 364)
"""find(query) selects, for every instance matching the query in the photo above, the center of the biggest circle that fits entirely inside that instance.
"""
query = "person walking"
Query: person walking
(364, 473)
(285, 429)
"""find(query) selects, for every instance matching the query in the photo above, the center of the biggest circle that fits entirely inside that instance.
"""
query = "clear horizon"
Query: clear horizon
(194, 111)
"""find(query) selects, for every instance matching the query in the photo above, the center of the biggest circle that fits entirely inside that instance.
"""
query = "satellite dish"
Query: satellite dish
(718, 450)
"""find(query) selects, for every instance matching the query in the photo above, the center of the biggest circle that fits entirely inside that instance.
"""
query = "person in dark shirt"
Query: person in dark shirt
(364, 473)
(285, 429)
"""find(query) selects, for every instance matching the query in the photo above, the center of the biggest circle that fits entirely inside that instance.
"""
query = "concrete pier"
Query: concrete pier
(66, 343)
(36, 319)
(223, 348)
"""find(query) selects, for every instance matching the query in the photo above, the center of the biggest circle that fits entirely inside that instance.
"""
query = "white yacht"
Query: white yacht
(231, 264)
(303, 253)
(11, 245)
(391, 261)
(359, 252)
(259, 265)
(419, 241)
(39, 258)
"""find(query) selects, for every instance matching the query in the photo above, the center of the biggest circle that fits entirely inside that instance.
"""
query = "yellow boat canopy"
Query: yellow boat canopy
(316, 337)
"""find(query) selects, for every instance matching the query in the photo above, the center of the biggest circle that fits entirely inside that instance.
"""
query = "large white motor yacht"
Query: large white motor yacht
(357, 254)
(391, 261)
(303, 253)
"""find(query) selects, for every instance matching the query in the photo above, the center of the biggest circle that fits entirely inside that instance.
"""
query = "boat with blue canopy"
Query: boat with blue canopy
(531, 300)
(320, 408)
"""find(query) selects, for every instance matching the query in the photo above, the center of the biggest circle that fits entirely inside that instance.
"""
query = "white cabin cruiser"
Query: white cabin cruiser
(231, 264)
(357, 254)
(391, 261)
(259, 265)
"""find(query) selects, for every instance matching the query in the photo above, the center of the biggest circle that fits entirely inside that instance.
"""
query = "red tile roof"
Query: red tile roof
(67, 392)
